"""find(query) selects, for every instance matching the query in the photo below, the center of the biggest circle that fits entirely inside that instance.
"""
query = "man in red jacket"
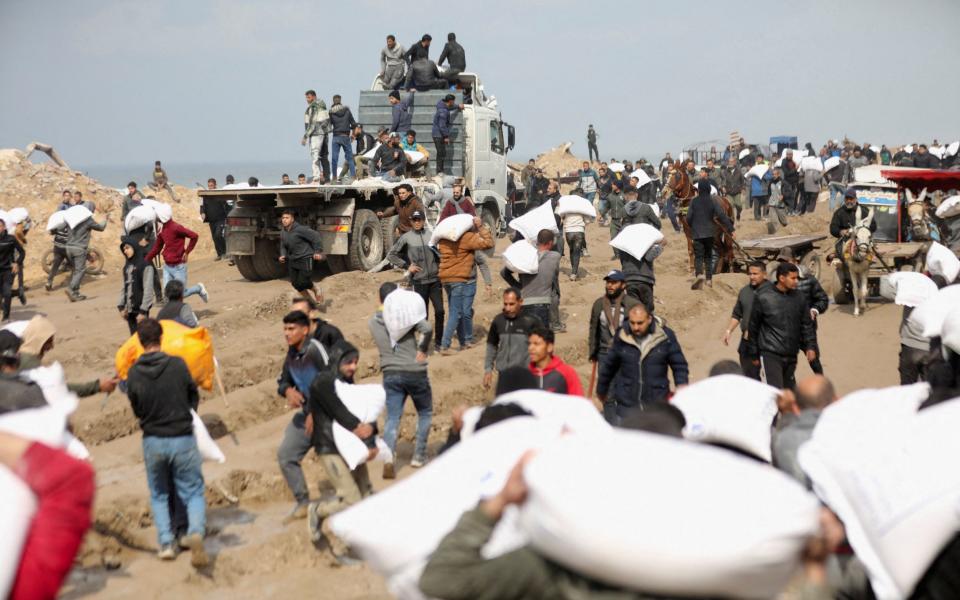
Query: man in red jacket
(170, 241)
(553, 375)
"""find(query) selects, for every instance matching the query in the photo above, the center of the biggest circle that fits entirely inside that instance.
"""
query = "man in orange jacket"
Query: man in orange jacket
(458, 267)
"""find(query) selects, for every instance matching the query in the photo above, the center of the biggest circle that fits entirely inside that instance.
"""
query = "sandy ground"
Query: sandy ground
(254, 555)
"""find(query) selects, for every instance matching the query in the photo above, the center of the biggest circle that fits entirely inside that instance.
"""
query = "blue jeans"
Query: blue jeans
(836, 189)
(398, 386)
(179, 457)
(460, 298)
(343, 141)
(179, 272)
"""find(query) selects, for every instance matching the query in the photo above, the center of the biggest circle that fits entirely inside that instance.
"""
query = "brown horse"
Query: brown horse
(681, 188)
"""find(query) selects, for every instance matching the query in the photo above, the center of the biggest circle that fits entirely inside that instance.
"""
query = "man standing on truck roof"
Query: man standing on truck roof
(592, 143)
(404, 205)
(456, 59)
(343, 124)
(316, 125)
(390, 162)
(392, 65)
(441, 129)
(299, 247)
(419, 50)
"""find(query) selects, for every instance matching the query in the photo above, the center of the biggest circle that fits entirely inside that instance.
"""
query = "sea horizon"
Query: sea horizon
(192, 175)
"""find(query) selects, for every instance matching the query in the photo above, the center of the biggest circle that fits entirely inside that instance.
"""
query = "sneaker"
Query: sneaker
(418, 461)
(218, 258)
(167, 552)
(48, 286)
(73, 297)
(80, 297)
(22, 295)
(314, 522)
(203, 293)
(585, 252)
(698, 283)
(198, 554)
(573, 276)
(299, 512)
(388, 472)
(448, 351)
(709, 283)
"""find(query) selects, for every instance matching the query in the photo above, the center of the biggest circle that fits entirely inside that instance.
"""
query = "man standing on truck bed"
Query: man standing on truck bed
(316, 125)
(392, 65)
(456, 59)
(441, 129)
(402, 115)
(343, 124)
(405, 203)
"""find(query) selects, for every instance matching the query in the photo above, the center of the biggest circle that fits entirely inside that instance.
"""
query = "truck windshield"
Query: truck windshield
(496, 137)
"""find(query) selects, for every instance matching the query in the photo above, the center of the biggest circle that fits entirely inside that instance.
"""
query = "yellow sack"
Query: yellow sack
(194, 346)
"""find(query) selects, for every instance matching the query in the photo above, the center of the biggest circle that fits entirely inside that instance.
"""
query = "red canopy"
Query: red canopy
(917, 179)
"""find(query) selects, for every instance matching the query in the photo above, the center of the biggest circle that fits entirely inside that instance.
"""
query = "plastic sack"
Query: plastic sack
(56, 220)
(75, 215)
(531, 223)
(729, 409)
(366, 402)
(744, 153)
(637, 239)
(413, 156)
(758, 171)
(687, 530)
(16, 328)
(811, 163)
(642, 178)
(138, 217)
(402, 309)
(576, 205)
(522, 257)
(209, 450)
(950, 207)
(452, 228)
(17, 215)
(163, 211)
(930, 314)
(895, 488)
(373, 152)
(831, 163)
(392, 538)
(194, 346)
(616, 167)
(941, 261)
(907, 288)
(573, 413)
(952, 148)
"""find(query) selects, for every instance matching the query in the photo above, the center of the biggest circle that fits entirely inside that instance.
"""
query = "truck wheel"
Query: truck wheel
(388, 228)
(245, 266)
(810, 263)
(366, 241)
(266, 261)
(489, 219)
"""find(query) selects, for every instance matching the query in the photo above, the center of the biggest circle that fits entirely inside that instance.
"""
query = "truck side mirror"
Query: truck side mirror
(511, 137)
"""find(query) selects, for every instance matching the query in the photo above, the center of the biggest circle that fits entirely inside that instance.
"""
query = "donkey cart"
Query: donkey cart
(803, 246)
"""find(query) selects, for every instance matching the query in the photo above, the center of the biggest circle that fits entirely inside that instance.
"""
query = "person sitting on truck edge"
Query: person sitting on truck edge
(299, 247)
(441, 129)
(392, 65)
(343, 123)
(419, 50)
(424, 75)
(402, 111)
(365, 143)
(458, 205)
(285, 180)
(456, 59)
(301, 179)
(405, 203)
(409, 144)
(390, 162)
(316, 125)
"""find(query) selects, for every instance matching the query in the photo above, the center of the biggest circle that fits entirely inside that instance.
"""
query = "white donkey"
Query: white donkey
(858, 255)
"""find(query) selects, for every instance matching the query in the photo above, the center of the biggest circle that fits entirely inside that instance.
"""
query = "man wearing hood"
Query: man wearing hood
(633, 374)
(442, 128)
(134, 305)
(703, 215)
(325, 408)
(16, 392)
(343, 124)
(553, 375)
(392, 63)
(162, 394)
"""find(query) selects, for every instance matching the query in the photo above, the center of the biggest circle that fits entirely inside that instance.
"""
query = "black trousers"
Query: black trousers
(592, 149)
(132, 325)
(59, 257)
(789, 197)
(746, 362)
(703, 256)
(779, 371)
(540, 312)
(216, 232)
(432, 293)
(914, 364)
(643, 292)
(6, 290)
(809, 202)
(441, 155)
(760, 207)
(577, 243)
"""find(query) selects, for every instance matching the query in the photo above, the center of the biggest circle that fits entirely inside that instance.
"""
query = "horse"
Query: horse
(679, 185)
(858, 256)
(921, 226)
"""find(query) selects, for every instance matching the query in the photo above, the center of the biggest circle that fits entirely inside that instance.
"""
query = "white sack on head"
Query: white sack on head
(831, 163)
(952, 148)
(452, 228)
(531, 223)
(688, 531)
(56, 220)
(402, 309)
(942, 261)
(75, 215)
(758, 171)
(937, 151)
(17, 215)
(907, 288)
(949, 207)
(164, 211)
(895, 488)
(616, 167)
(576, 205)
(208, 448)
(930, 314)
(138, 217)
(366, 402)
(729, 409)
(642, 177)
(575, 413)
(522, 257)
(745, 152)
(811, 163)
(637, 239)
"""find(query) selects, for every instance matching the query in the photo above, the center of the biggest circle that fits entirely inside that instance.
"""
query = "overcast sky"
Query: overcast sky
(127, 81)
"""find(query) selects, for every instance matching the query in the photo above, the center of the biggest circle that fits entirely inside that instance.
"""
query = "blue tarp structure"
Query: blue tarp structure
(785, 140)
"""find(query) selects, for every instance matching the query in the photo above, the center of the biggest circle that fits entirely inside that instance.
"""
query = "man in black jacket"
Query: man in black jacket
(325, 408)
(162, 394)
(456, 59)
(11, 261)
(343, 124)
(845, 219)
(419, 50)
(816, 297)
(507, 338)
(757, 272)
(780, 326)
(299, 247)
(324, 332)
(791, 182)
(731, 184)
(702, 216)
(214, 213)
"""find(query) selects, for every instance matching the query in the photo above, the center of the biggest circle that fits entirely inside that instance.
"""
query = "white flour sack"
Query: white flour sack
(75, 215)
(56, 220)
(209, 450)
(907, 288)
(402, 309)
(930, 314)
(635, 240)
(403, 524)
(532, 222)
(574, 413)
(522, 257)
(366, 402)
(941, 261)
(949, 207)
(688, 530)
(452, 228)
(576, 205)
(138, 217)
(729, 409)
(896, 489)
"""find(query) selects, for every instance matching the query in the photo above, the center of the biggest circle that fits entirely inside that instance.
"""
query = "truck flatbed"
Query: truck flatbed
(781, 242)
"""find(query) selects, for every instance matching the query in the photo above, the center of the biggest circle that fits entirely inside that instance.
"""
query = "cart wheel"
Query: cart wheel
(811, 264)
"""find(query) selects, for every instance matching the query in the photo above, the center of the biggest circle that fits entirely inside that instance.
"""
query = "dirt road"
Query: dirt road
(255, 556)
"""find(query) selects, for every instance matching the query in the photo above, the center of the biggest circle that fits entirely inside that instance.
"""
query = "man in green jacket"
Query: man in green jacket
(615, 209)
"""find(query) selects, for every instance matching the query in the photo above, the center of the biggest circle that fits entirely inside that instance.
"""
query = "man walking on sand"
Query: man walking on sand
(413, 253)
(757, 272)
(170, 241)
(537, 288)
(457, 273)
(11, 262)
(299, 247)
(77, 245)
(162, 394)
(316, 126)
(507, 338)
(553, 375)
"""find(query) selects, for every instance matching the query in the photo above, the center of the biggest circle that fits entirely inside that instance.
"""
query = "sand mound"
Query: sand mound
(558, 161)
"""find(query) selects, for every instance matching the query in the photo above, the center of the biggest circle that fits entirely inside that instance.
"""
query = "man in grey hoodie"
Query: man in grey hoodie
(537, 289)
(404, 367)
(77, 245)
(413, 253)
(392, 64)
